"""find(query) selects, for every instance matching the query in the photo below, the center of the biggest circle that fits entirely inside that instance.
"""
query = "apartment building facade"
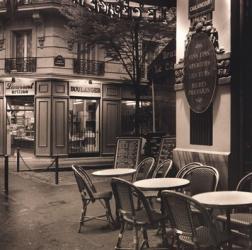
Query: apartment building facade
(53, 101)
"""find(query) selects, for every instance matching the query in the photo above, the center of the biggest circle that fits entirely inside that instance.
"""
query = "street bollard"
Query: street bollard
(57, 170)
(6, 174)
(18, 159)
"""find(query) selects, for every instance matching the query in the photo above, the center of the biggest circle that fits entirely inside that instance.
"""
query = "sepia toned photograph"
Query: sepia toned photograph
(125, 124)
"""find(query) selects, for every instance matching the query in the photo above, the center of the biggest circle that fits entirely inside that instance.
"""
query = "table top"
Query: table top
(224, 199)
(157, 184)
(113, 172)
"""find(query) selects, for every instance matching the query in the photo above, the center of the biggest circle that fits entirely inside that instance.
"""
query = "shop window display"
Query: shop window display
(84, 126)
(20, 125)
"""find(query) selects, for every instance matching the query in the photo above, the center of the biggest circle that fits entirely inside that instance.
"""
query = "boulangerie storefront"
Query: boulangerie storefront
(47, 118)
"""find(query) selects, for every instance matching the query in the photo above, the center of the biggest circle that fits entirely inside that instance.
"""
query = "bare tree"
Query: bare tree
(128, 40)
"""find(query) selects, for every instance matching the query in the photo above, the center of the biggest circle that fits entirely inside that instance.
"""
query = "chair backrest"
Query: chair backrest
(163, 169)
(180, 208)
(84, 182)
(126, 195)
(202, 179)
(245, 184)
(144, 169)
(186, 167)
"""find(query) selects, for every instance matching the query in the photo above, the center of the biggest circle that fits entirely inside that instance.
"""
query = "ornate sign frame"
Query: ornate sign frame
(200, 72)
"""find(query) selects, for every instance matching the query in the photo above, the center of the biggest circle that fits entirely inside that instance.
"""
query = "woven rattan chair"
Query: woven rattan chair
(202, 179)
(161, 171)
(241, 219)
(125, 194)
(89, 194)
(178, 208)
(144, 169)
(187, 167)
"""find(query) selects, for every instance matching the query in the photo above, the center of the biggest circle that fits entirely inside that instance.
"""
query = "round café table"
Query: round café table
(114, 172)
(159, 184)
(226, 200)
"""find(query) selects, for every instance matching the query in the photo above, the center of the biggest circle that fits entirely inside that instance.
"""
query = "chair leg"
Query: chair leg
(135, 238)
(108, 212)
(164, 236)
(83, 214)
(120, 236)
(145, 239)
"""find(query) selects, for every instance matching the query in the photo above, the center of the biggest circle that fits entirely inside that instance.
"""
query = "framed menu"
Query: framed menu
(128, 151)
(166, 147)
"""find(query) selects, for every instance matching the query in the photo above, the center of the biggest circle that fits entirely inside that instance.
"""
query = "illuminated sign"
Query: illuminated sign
(127, 9)
(19, 88)
(199, 7)
(83, 88)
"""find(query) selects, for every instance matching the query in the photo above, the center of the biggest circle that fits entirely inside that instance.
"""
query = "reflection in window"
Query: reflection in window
(128, 117)
(84, 126)
(20, 124)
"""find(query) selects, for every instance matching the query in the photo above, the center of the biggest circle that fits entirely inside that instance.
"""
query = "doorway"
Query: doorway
(20, 125)
(84, 126)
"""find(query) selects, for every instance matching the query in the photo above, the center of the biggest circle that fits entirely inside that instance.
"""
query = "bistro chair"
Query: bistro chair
(89, 194)
(202, 179)
(178, 208)
(128, 213)
(161, 171)
(187, 167)
(241, 219)
(144, 169)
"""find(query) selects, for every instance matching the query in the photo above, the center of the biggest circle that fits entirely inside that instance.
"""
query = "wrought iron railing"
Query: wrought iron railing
(22, 64)
(88, 67)
(86, 141)
(24, 2)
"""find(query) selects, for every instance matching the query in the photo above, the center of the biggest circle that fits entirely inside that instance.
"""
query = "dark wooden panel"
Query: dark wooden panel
(43, 88)
(111, 125)
(111, 92)
(43, 126)
(59, 124)
(201, 127)
(60, 88)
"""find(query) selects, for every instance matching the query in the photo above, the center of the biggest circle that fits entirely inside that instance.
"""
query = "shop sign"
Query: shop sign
(19, 88)
(84, 89)
(200, 72)
(199, 7)
(59, 61)
(163, 66)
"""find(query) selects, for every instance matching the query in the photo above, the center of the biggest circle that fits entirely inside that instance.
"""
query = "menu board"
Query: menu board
(127, 152)
(166, 148)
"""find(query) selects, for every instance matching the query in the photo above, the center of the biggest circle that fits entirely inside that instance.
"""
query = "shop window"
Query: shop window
(128, 117)
(84, 126)
(201, 127)
(20, 124)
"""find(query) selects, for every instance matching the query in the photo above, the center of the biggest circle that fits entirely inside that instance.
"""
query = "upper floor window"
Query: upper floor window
(22, 44)
(87, 52)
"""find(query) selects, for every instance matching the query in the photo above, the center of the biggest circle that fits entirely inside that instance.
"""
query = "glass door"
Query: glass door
(84, 126)
(20, 125)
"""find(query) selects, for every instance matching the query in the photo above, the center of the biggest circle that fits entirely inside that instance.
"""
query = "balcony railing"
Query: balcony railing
(24, 2)
(88, 67)
(22, 64)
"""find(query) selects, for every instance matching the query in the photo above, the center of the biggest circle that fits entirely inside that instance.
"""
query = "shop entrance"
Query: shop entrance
(84, 126)
(20, 125)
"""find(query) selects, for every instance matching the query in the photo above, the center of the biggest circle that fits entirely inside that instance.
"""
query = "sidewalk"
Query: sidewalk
(39, 215)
